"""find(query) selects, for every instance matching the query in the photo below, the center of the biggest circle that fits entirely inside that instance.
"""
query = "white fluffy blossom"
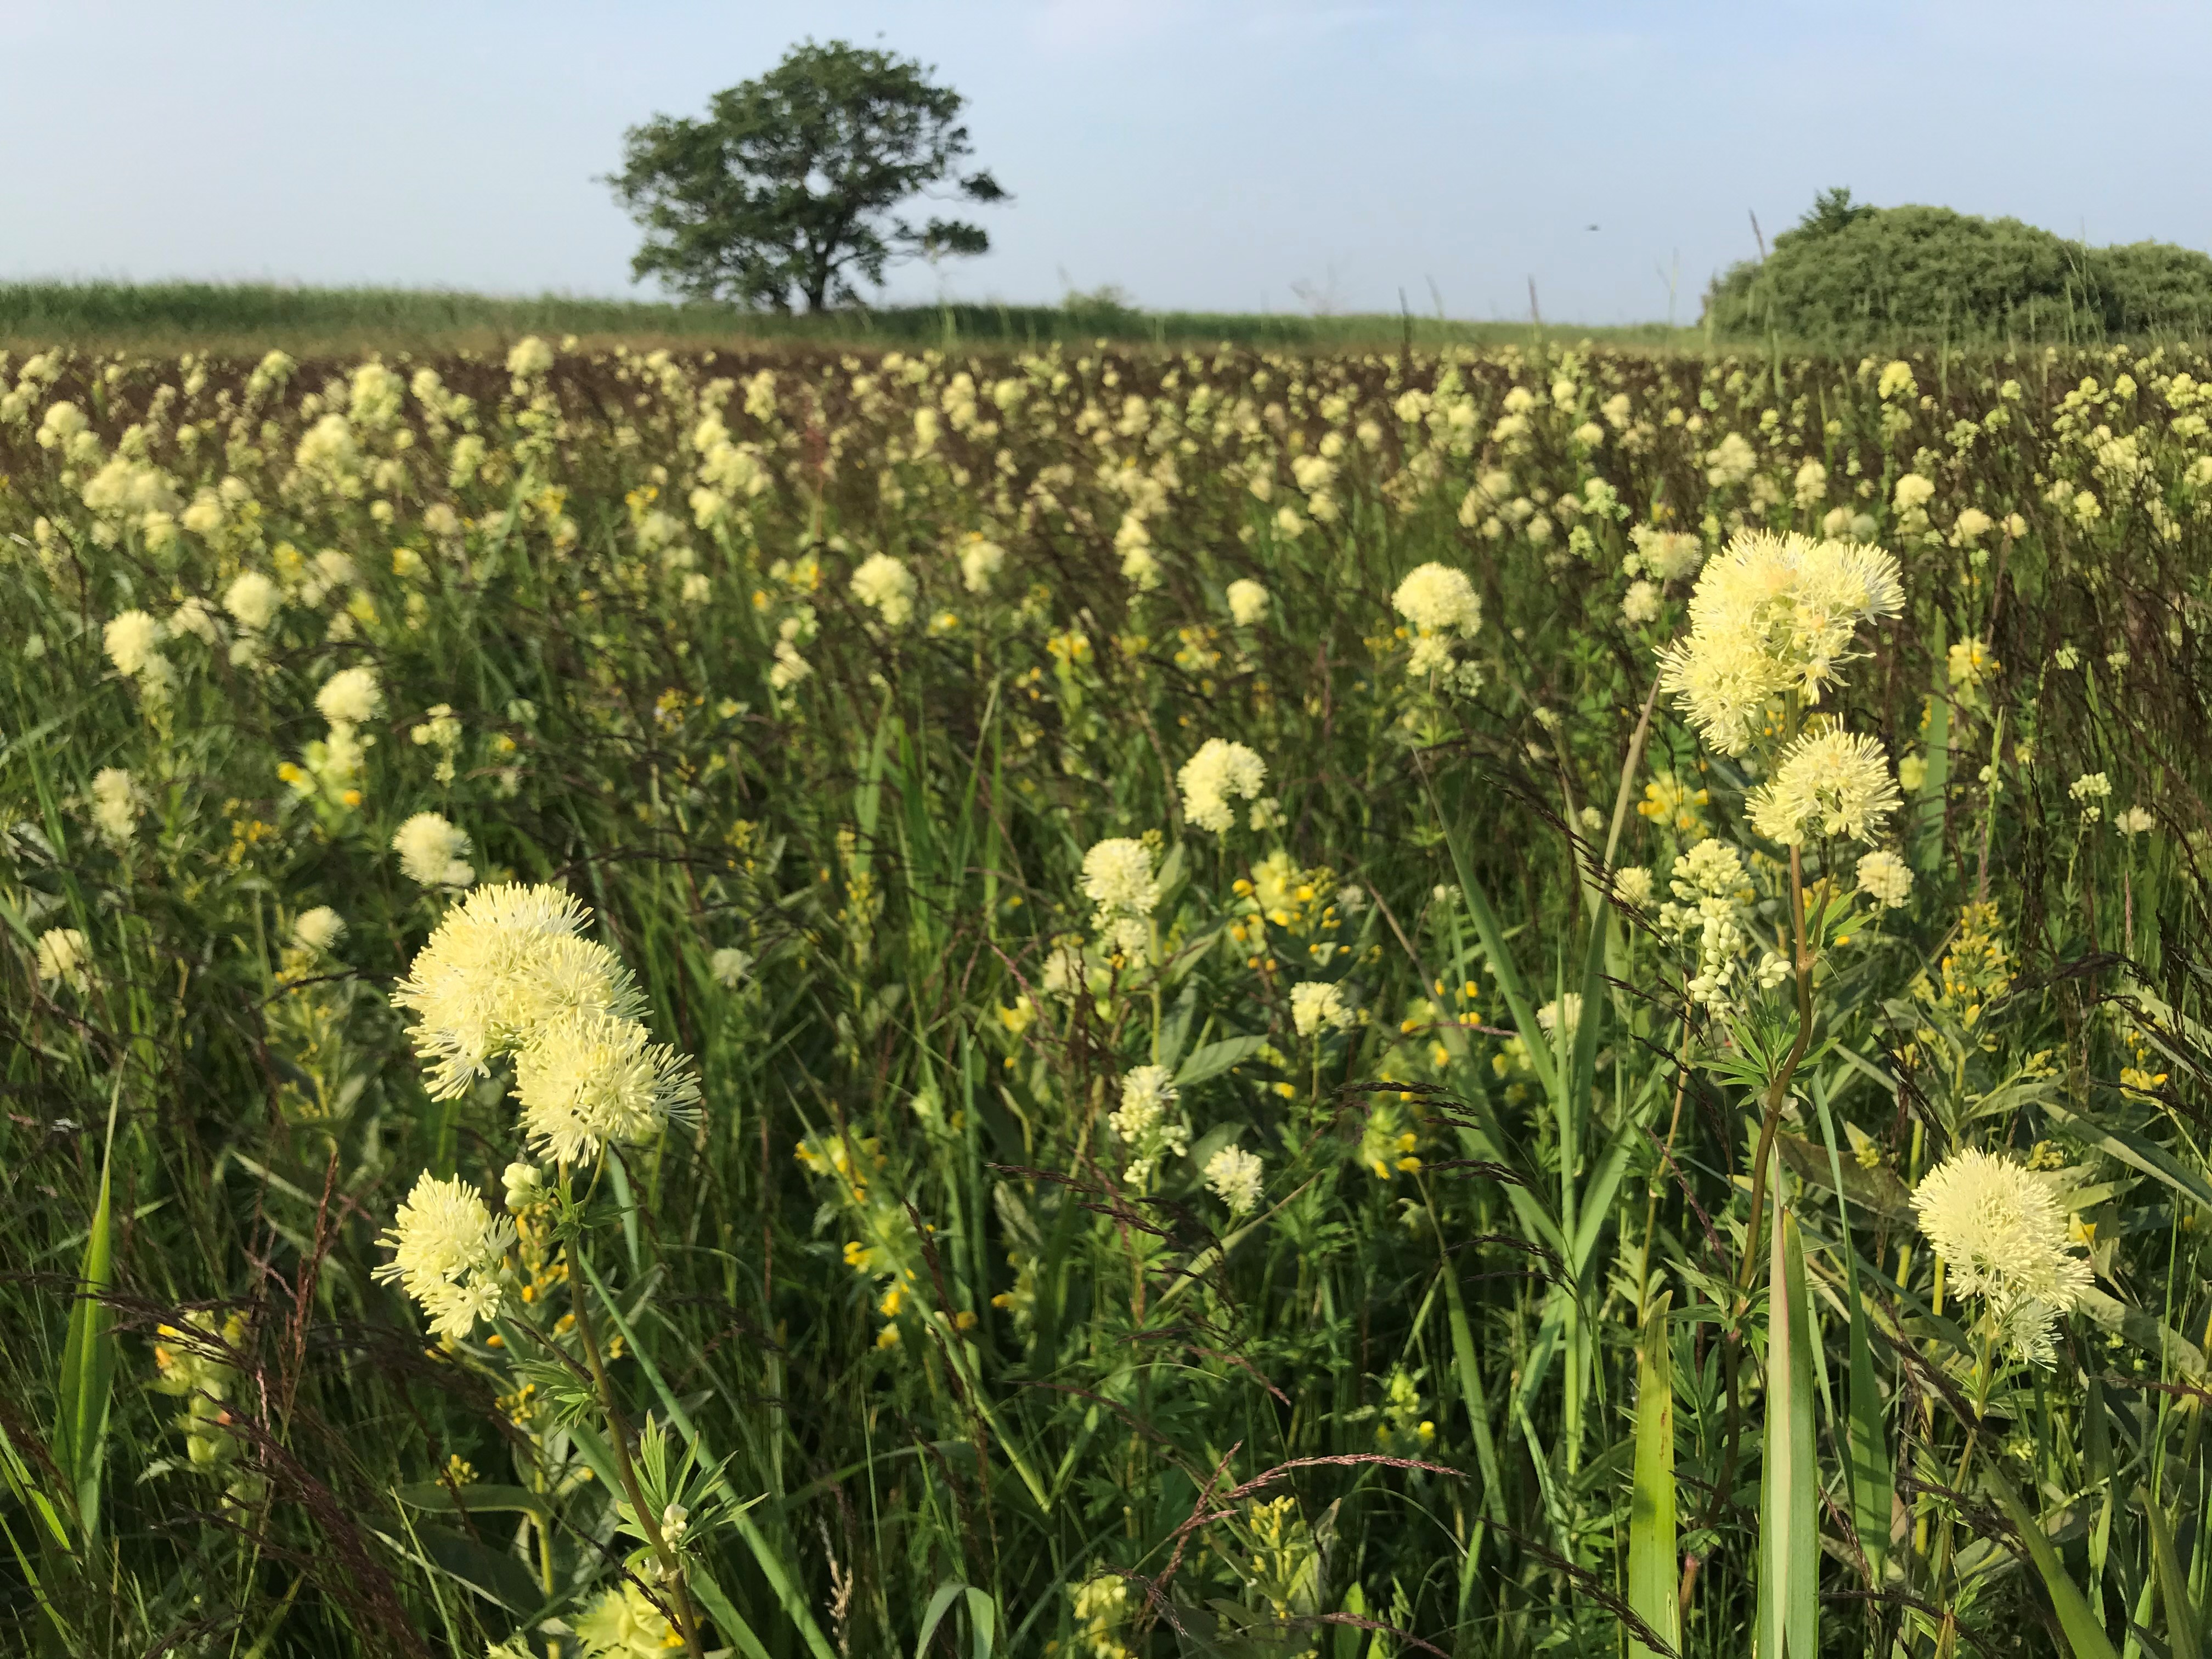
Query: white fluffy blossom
(2002, 1231)
(587, 1077)
(980, 561)
(1886, 878)
(1438, 599)
(504, 962)
(1248, 602)
(434, 852)
(132, 640)
(1773, 615)
(1831, 782)
(529, 356)
(352, 696)
(1220, 772)
(117, 801)
(447, 1249)
(65, 955)
(318, 929)
(1117, 878)
(886, 586)
(1148, 1121)
(1318, 1003)
(251, 599)
(1233, 1176)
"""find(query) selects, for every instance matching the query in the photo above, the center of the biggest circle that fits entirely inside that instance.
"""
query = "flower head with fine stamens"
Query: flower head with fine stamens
(447, 1248)
(1832, 783)
(589, 1076)
(505, 962)
(1117, 878)
(1772, 615)
(2001, 1229)
(1219, 772)
(1233, 1176)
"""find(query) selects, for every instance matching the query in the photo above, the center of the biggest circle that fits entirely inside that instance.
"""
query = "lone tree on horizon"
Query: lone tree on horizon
(790, 183)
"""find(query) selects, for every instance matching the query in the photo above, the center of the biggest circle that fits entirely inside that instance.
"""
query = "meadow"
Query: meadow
(1105, 1001)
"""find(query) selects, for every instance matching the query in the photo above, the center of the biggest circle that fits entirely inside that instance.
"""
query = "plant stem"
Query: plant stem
(1777, 1092)
(686, 1622)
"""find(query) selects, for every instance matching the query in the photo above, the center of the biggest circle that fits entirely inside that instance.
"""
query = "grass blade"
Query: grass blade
(88, 1359)
(773, 1568)
(2184, 1625)
(2085, 1636)
(1867, 1466)
(1651, 1528)
(1789, 1491)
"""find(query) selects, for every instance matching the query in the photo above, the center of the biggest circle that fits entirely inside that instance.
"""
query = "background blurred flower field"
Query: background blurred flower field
(1230, 1018)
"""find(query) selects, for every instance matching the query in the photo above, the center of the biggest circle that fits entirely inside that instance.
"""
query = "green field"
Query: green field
(1261, 1089)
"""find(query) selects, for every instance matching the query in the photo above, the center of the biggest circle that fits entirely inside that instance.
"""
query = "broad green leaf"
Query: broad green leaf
(939, 1605)
(1651, 1526)
(493, 1574)
(2146, 1331)
(1213, 1059)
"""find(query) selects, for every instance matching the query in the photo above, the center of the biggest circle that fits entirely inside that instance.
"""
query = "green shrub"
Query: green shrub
(1849, 274)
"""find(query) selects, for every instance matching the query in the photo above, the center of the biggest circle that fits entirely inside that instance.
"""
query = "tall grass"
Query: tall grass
(1474, 1377)
(247, 319)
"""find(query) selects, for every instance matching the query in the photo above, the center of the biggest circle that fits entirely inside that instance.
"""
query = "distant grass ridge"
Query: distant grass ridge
(253, 317)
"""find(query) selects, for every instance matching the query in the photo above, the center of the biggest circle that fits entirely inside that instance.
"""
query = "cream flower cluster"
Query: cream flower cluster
(1441, 604)
(117, 801)
(1149, 1121)
(1220, 772)
(508, 973)
(1118, 878)
(2002, 1231)
(980, 561)
(1233, 1176)
(447, 1253)
(1710, 889)
(433, 853)
(65, 955)
(1248, 602)
(503, 965)
(318, 930)
(1316, 1004)
(887, 587)
(1886, 878)
(1836, 783)
(1773, 615)
(132, 640)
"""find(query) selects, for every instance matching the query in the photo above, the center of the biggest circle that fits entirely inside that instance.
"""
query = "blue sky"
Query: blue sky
(1218, 154)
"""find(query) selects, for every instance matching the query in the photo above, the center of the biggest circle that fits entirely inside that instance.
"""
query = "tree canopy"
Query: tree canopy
(790, 186)
(1851, 274)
